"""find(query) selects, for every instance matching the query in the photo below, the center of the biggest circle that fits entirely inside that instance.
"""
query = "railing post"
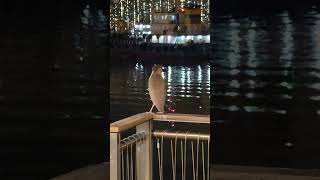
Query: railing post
(115, 156)
(144, 152)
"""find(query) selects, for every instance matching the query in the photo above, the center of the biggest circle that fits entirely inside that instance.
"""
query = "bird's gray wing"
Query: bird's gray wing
(157, 91)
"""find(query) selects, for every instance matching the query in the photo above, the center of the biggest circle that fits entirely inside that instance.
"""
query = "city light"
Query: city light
(133, 12)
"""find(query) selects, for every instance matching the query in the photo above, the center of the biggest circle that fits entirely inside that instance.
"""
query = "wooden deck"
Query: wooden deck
(93, 172)
(229, 172)
(217, 172)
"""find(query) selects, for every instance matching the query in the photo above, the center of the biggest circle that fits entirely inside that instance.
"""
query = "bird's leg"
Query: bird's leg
(151, 108)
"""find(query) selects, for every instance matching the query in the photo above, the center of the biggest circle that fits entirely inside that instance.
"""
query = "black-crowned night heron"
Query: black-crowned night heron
(157, 88)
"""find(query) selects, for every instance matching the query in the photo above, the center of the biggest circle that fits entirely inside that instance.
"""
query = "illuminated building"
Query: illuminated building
(134, 12)
(186, 21)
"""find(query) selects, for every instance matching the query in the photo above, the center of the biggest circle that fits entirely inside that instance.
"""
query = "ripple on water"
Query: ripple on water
(286, 85)
(314, 86)
(232, 94)
(234, 71)
(231, 108)
(278, 111)
(234, 84)
(315, 98)
(254, 109)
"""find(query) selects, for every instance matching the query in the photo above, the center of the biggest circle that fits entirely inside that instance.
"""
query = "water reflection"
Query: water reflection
(266, 85)
(287, 40)
(188, 89)
(234, 55)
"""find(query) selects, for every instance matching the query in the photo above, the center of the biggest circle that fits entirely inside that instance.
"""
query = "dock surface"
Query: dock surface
(217, 172)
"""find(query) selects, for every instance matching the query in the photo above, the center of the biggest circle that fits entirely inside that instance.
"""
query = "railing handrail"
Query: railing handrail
(186, 118)
(133, 121)
(130, 122)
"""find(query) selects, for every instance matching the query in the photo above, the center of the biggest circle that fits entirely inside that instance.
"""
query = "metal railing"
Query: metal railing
(132, 156)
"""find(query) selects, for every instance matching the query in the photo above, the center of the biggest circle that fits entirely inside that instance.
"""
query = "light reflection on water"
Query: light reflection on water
(266, 86)
(188, 89)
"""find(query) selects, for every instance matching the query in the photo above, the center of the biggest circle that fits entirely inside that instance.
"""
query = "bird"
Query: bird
(157, 88)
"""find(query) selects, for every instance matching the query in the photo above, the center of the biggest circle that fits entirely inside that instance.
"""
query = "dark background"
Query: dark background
(53, 107)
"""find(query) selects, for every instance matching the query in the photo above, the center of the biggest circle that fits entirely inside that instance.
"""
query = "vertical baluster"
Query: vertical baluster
(137, 139)
(208, 163)
(122, 165)
(203, 163)
(182, 162)
(197, 168)
(172, 161)
(175, 155)
(185, 156)
(162, 156)
(174, 158)
(131, 165)
(159, 159)
(193, 170)
(128, 173)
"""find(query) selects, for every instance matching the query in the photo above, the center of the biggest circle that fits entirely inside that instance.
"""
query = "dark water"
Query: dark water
(188, 89)
(266, 89)
(52, 89)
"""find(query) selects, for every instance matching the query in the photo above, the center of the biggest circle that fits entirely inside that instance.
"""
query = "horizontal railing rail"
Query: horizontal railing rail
(132, 140)
(180, 135)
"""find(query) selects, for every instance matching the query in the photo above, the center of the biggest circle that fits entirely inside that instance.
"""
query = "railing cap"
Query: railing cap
(130, 122)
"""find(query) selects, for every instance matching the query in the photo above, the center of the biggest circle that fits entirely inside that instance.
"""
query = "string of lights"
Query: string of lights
(125, 14)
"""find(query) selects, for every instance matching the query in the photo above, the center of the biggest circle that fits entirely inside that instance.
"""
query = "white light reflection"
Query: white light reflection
(286, 85)
(253, 109)
(279, 111)
(315, 37)
(252, 84)
(199, 79)
(208, 79)
(232, 94)
(234, 84)
(188, 78)
(183, 76)
(287, 40)
(251, 46)
(250, 95)
(169, 74)
(234, 72)
(234, 51)
(315, 98)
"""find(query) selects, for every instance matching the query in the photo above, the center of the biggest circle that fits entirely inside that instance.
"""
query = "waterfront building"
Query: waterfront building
(185, 21)
(181, 17)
